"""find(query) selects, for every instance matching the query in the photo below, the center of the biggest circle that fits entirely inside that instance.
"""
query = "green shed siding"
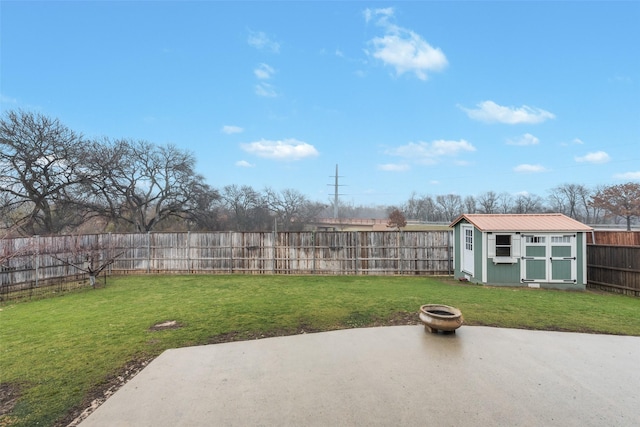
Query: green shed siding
(503, 274)
(581, 254)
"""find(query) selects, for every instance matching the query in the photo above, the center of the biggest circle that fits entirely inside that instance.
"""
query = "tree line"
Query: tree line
(54, 180)
(601, 205)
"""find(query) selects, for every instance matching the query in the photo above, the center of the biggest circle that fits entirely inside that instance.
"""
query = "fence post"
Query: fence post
(313, 252)
(189, 251)
(400, 249)
(274, 247)
(231, 234)
(37, 260)
(148, 252)
(449, 254)
(356, 253)
(109, 254)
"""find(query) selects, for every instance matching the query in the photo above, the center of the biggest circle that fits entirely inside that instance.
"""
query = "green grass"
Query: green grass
(58, 350)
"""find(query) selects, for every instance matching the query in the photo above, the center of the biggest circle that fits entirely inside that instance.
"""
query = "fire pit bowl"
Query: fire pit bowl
(438, 317)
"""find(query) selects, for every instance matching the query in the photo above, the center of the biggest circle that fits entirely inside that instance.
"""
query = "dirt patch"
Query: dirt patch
(401, 318)
(9, 395)
(99, 394)
(102, 392)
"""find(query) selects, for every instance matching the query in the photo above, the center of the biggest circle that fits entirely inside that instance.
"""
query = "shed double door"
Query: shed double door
(549, 258)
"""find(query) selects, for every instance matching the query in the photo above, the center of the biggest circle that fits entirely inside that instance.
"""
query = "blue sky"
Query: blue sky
(425, 97)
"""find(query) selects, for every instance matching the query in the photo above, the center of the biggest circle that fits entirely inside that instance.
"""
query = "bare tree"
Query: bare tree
(527, 203)
(418, 207)
(505, 203)
(205, 213)
(451, 205)
(470, 205)
(91, 258)
(569, 200)
(41, 160)
(143, 184)
(421, 208)
(595, 214)
(488, 202)
(621, 200)
(290, 207)
(246, 208)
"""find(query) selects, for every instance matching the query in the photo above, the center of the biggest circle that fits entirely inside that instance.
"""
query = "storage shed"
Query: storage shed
(535, 250)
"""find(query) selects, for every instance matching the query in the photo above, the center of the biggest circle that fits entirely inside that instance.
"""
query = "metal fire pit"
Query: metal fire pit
(438, 317)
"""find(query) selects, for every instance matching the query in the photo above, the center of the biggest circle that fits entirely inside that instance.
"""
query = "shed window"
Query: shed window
(536, 239)
(503, 245)
(468, 239)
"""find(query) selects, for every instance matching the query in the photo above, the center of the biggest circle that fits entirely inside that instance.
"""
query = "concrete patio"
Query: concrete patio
(388, 376)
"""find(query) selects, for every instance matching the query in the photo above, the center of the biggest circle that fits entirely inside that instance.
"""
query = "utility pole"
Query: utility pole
(335, 194)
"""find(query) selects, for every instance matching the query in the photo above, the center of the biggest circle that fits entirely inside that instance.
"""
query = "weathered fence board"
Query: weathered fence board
(614, 237)
(614, 268)
(39, 261)
(29, 264)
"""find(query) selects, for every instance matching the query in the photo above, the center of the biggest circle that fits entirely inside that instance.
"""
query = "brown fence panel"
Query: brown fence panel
(335, 252)
(617, 238)
(38, 262)
(614, 268)
(29, 265)
(427, 252)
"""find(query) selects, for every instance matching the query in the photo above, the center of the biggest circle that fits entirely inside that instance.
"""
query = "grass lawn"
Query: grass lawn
(55, 353)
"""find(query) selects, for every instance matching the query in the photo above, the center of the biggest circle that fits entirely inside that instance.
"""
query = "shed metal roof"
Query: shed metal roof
(523, 222)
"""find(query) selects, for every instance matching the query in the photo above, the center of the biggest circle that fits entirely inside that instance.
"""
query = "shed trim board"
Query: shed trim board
(467, 244)
(537, 250)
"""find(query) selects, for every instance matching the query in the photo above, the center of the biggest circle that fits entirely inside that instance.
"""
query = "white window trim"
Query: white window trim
(515, 248)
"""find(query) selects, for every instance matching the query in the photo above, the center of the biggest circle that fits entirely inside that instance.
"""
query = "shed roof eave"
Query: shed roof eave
(524, 223)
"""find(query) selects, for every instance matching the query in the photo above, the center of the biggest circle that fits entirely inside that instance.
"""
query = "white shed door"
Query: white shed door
(466, 253)
(549, 258)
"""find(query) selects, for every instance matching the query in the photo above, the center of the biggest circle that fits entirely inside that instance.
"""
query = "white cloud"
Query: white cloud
(490, 112)
(632, 176)
(525, 168)
(229, 129)
(264, 72)
(288, 149)
(262, 41)
(526, 139)
(244, 164)
(7, 100)
(431, 152)
(402, 48)
(383, 13)
(596, 157)
(266, 90)
(574, 141)
(393, 167)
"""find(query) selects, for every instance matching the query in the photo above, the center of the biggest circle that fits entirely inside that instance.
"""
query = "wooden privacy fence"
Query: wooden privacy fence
(614, 268)
(614, 237)
(38, 262)
(41, 264)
